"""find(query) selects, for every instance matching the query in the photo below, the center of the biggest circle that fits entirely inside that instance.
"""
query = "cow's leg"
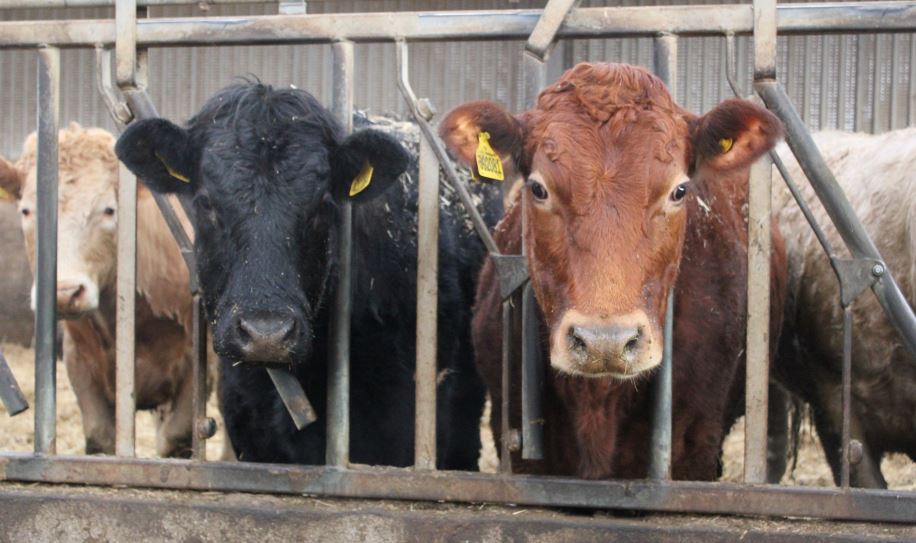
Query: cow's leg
(698, 457)
(173, 434)
(96, 410)
(777, 433)
(828, 421)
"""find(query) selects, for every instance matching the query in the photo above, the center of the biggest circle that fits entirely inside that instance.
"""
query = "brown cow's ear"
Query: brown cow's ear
(482, 129)
(10, 181)
(733, 135)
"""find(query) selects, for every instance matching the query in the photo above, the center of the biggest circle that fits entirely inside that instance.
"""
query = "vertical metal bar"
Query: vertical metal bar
(427, 308)
(46, 264)
(879, 107)
(758, 322)
(847, 395)
(665, 60)
(201, 429)
(758, 267)
(764, 39)
(862, 72)
(532, 379)
(912, 102)
(125, 401)
(535, 78)
(338, 451)
(126, 43)
(505, 450)
(843, 73)
(660, 466)
(10, 394)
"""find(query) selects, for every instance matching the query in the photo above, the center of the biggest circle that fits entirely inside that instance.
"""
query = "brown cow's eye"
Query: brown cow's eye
(538, 190)
(679, 192)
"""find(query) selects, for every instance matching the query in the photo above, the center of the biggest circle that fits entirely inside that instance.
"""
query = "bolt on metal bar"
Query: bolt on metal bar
(847, 395)
(125, 332)
(427, 308)
(665, 60)
(46, 261)
(338, 447)
(839, 209)
(10, 394)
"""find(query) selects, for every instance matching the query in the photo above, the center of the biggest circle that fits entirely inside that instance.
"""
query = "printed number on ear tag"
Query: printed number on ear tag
(174, 173)
(726, 144)
(362, 179)
(488, 162)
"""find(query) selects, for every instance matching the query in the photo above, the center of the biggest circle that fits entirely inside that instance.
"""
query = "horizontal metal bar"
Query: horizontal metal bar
(35, 4)
(395, 483)
(700, 20)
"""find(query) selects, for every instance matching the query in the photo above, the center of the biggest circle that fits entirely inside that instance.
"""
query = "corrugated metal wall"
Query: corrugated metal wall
(852, 82)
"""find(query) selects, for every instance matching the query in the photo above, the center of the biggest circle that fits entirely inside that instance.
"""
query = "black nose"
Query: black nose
(266, 337)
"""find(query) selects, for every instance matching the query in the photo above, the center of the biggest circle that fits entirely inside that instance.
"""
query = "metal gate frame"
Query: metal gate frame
(560, 19)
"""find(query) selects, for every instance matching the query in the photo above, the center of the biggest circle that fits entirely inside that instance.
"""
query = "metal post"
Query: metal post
(126, 43)
(338, 451)
(505, 442)
(533, 371)
(125, 334)
(203, 427)
(660, 466)
(758, 268)
(427, 308)
(847, 395)
(46, 262)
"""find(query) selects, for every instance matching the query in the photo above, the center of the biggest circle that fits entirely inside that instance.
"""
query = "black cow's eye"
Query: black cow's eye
(203, 202)
(679, 192)
(109, 211)
(26, 212)
(538, 190)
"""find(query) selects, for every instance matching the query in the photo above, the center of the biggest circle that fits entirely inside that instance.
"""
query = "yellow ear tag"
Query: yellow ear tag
(488, 162)
(726, 144)
(4, 195)
(362, 179)
(174, 173)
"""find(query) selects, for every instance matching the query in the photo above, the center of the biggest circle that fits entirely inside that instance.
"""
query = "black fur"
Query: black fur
(268, 167)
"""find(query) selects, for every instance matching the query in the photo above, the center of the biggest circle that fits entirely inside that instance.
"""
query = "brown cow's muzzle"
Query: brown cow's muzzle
(76, 296)
(621, 347)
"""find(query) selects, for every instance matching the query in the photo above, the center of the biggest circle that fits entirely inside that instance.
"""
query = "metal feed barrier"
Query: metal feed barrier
(131, 36)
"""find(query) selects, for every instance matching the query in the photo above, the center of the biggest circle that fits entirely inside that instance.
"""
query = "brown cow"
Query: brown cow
(86, 268)
(627, 194)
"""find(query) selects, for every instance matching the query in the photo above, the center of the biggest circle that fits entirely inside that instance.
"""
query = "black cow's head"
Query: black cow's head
(266, 169)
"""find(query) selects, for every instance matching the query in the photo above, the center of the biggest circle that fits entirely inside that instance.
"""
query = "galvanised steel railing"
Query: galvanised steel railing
(131, 36)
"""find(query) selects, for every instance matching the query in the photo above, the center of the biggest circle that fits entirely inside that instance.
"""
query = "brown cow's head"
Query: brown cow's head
(607, 157)
(87, 219)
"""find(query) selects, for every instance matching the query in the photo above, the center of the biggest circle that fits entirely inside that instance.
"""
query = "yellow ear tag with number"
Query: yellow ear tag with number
(174, 173)
(362, 179)
(726, 144)
(488, 162)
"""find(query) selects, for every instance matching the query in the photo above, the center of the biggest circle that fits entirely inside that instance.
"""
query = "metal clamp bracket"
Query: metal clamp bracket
(856, 275)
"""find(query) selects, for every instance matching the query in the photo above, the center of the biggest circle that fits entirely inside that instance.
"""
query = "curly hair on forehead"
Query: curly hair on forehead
(77, 147)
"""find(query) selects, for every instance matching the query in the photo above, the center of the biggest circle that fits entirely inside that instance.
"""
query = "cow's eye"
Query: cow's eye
(679, 192)
(26, 212)
(203, 201)
(538, 190)
(109, 212)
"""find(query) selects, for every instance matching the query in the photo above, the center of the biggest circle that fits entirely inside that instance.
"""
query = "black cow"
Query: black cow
(267, 169)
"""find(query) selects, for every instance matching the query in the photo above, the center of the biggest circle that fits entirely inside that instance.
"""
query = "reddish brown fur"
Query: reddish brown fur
(608, 139)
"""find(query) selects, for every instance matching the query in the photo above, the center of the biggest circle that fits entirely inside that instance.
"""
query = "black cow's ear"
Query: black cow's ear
(159, 153)
(365, 165)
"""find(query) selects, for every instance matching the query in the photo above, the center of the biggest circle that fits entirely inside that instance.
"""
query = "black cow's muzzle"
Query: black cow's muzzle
(265, 338)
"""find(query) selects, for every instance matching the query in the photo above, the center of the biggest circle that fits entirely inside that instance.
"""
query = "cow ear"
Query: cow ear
(159, 153)
(474, 130)
(10, 181)
(365, 164)
(733, 135)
